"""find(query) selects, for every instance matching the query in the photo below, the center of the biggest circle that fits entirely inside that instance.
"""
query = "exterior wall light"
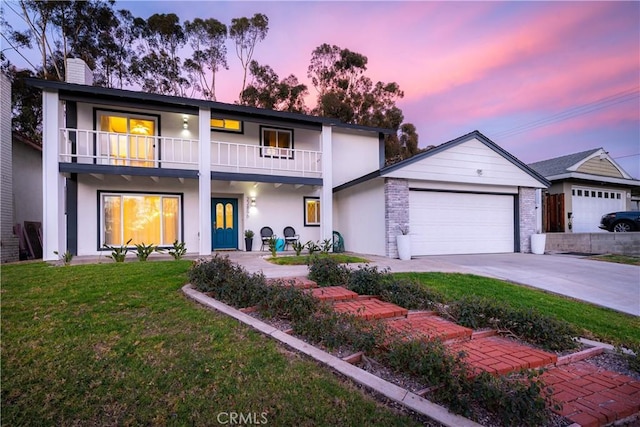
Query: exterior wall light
(185, 122)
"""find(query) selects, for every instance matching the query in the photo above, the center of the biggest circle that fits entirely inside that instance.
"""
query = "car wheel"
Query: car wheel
(622, 227)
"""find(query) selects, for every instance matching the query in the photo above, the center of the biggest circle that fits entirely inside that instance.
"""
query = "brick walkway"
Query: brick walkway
(590, 397)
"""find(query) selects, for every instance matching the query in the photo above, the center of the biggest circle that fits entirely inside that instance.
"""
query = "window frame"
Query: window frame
(99, 112)
(101, 215)
(263, 148)
(307, 223)
(226, 130)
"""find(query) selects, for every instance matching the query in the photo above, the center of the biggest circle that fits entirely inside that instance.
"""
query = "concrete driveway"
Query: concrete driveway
(607, 284)
(611, 285)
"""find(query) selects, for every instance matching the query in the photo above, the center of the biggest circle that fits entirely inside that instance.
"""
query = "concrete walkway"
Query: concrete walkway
(616, 286)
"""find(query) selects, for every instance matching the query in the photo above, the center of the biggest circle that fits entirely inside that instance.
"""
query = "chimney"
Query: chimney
(78, 72)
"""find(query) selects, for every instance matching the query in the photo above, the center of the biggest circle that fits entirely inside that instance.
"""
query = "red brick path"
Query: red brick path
(589, 396)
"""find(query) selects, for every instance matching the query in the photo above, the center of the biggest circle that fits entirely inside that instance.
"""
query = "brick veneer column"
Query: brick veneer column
(528, 213)
(396, 201)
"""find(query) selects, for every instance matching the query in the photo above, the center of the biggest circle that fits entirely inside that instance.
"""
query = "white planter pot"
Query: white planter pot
(538, 242)
(404, 247)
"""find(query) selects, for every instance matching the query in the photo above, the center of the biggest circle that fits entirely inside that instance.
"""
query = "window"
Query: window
(143, 218)
(311, 211)
(228, 125)
(579, 192)
(276, 142)
(126, 139)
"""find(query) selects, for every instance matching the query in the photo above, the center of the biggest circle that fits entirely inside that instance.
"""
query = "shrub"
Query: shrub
(66, 257)
(326, 271)
(143, 251)
(410, 295)
(335, 330)
(287, 302)
(178, 250)
(228, 282)
(273, 246)
(518, 399)
(298, 247)
(312, 247)
(326, 246)
(118, 253)
(368, 280)
(527, 324)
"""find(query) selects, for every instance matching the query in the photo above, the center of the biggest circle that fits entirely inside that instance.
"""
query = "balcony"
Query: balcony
(118, 149)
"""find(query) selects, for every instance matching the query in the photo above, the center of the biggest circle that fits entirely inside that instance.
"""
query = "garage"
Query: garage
(444, 223)
(589, 204)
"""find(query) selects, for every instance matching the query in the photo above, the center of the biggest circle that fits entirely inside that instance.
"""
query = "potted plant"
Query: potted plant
(248, 240)
(538, 243)
(404, 244)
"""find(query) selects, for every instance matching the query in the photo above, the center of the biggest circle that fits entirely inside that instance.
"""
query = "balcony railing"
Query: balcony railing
(230, 157)
(118, 149)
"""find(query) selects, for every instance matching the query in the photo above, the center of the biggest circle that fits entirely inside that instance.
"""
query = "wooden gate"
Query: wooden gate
(554, 213)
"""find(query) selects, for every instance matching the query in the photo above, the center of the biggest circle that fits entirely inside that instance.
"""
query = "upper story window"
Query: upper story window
(276, 142)
(227, 125)
(127, 139)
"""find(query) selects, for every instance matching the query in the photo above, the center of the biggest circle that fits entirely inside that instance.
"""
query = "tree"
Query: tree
(157, 66)
(267, 91)
(346, 93)
(115, 51)
(247, 32)
(206, 38)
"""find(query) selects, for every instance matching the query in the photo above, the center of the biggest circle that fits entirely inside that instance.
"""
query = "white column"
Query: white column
(326, 197)
(53, 220)
(204, 181)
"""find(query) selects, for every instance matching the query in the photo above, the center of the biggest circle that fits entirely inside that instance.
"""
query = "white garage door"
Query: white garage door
(589, 204)
(460, 223)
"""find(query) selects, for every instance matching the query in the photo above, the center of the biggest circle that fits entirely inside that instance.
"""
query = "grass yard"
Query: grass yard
(597, 322)
(118, 344)
(304, 259)
(620, 259)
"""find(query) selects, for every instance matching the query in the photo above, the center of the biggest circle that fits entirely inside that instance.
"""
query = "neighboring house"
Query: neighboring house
(585, 186)
(8, 240)
(120, 164)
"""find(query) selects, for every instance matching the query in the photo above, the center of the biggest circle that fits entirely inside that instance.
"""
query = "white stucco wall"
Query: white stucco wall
(276, 207)
(354, 155)
(88, 205)
(27, 183)
(360, 217)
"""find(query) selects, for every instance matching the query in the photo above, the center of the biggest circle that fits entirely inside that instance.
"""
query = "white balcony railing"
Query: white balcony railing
(117, 149)
(246, 158)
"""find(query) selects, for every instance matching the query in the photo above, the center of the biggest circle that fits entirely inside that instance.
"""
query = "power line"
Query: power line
(606, 102)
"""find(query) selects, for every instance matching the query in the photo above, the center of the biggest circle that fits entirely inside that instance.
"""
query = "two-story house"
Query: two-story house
(121, 165)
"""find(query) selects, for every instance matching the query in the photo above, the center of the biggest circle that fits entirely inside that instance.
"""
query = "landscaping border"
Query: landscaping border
(404, 397)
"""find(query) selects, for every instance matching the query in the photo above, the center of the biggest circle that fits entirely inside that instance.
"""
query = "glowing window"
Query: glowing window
(127, 140)
(276, 142)
(311, 211)
(228, 125)
(143, 218)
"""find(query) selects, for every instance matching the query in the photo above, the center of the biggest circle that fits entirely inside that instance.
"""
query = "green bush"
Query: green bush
(334, 330)
(228, 282)
(118, 253)
(410, 295)
(368, 280)
(143, 251)
(527, 324)
(178, 250)
(287, 302)
(518, 399)
(326, 271)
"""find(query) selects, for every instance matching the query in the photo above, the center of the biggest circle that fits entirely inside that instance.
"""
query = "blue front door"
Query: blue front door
(224, 217)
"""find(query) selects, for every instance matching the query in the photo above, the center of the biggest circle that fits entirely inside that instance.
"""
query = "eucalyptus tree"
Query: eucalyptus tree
(115, 46)
(346, 93)
(246, 33)
(268, 91)
(156, 65)
(207, 39)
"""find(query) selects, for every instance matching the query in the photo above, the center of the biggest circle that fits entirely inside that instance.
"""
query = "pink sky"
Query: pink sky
(490, 66)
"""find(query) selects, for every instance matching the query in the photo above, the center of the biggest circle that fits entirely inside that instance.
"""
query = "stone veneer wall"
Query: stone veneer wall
(8, 241)
(528, 213)
(396, 201)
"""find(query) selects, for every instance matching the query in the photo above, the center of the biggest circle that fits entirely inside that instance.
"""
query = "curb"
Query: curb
(391, 391)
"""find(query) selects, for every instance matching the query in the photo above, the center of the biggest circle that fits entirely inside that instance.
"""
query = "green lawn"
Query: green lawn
(620, 259)
(118, 344)
(597, 322)
(304, 259)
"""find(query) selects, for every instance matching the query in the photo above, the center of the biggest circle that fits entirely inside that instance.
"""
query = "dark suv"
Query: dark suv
(621, 221)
